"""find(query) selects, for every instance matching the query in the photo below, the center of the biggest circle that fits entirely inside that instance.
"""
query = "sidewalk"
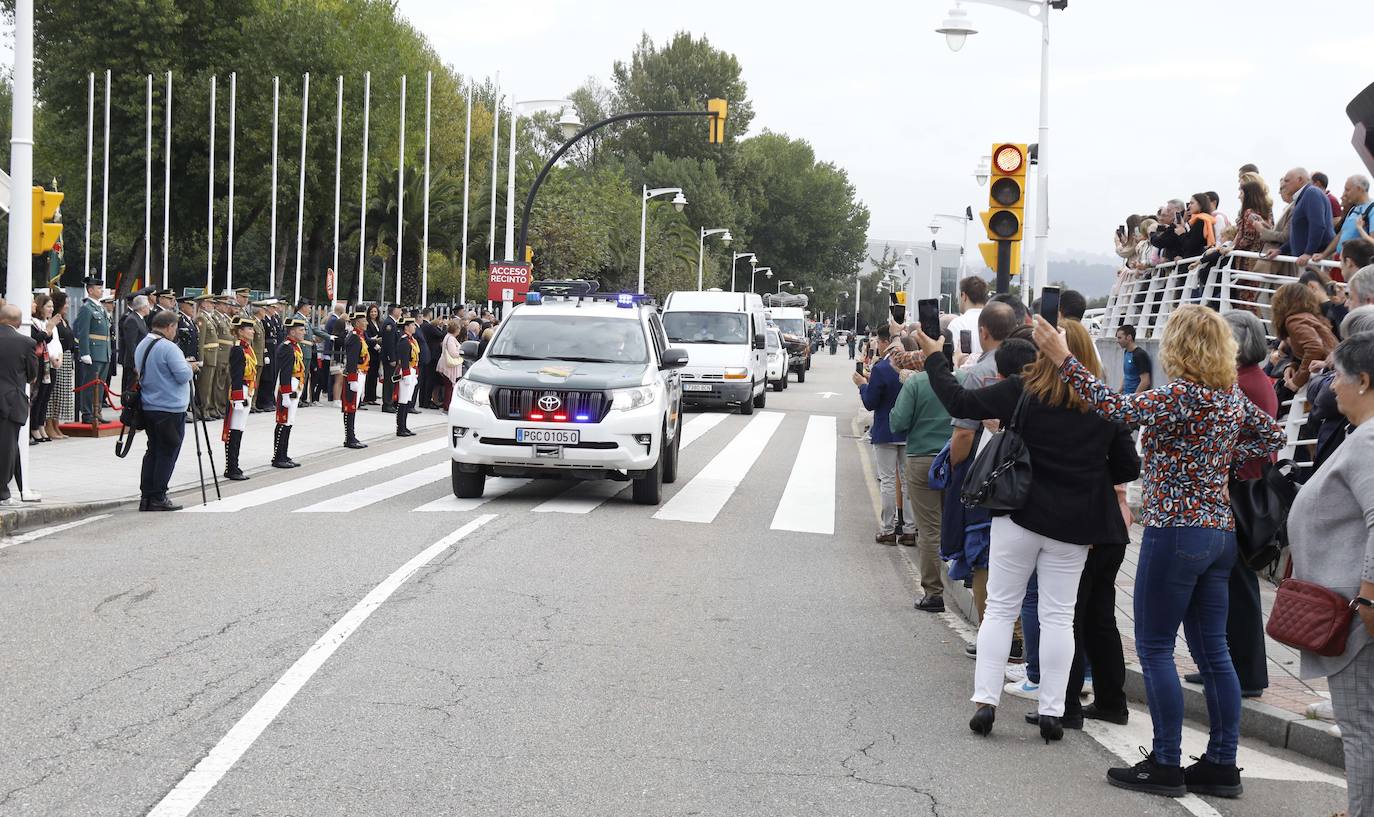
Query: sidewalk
(80, 476)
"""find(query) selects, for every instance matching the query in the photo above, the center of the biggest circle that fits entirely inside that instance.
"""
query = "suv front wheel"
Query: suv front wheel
(648, 489)
(468, 485)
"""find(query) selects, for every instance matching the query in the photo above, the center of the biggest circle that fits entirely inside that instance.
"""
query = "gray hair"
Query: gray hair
(1359, 320)
(1361, 181)
(1177, 204)
(1355, 355)
(1361, 286)
(140, 302)
(1250, 337)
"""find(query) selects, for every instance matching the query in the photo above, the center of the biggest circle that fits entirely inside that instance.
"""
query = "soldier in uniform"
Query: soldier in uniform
(163, 300)
(243, 377)
(356, 362)
(209, 354)
(302, 314)
(406, 368)
(291, 373)
(271, 339)
(225, 331)
(92, 330)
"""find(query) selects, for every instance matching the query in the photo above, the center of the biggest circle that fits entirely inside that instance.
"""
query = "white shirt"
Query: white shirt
(968, 321)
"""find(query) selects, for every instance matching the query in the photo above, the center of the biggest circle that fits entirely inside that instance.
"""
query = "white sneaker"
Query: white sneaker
(9, 502)
(1025, 689)
(1321, 711)
(30, 496)
(1016, 673)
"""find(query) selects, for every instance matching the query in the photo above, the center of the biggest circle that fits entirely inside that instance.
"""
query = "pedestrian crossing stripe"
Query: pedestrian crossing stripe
(704, 497)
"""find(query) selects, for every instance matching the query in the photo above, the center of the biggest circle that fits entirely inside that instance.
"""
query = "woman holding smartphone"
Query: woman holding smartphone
(1193, 429)
(1077, 458)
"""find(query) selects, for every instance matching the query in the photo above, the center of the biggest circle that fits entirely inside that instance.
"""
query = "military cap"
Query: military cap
(292, 323)
(239, 322)
(166, 293)
(264, 302)
(245, 291)
(407, 320)
(204, 296)
(358, 315)
(91, 281)
(184, 299)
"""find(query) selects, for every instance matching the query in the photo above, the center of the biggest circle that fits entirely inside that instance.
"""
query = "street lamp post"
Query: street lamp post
(957, 29)
(767, 273)
(569, 123)
(734, 259)
(781, 282)
(679, 202)
(725, 238)
(966, 219)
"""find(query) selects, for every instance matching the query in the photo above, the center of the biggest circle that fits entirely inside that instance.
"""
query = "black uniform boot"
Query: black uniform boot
(350, 439)
(232, 471)
(279, 459)
(286, 447)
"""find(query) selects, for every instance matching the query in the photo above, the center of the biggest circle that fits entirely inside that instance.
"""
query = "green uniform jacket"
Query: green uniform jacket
(92, 330)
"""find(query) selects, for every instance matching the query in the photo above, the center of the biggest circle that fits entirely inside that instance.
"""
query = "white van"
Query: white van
(723, 334)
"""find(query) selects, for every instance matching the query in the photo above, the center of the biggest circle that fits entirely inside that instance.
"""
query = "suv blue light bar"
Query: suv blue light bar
(625, 300)
(534, 298)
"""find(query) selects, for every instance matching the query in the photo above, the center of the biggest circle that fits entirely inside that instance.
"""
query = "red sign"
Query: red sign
(329, 285)
(508, 281)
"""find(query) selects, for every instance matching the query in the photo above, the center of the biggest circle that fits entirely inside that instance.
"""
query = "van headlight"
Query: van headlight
(736, 373)
(631, 399)
(470, 391)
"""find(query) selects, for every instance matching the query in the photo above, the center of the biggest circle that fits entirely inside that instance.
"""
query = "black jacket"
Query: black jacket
(391, 333)
(1076, 458)
(131, 330)
(431, 342)
(18, 368)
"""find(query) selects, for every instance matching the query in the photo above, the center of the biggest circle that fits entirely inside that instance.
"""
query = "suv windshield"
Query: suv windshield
(589, 338)
(706, 327)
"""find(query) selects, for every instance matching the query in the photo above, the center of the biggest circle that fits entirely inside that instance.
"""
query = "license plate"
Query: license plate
(548, 436)
(696, 387)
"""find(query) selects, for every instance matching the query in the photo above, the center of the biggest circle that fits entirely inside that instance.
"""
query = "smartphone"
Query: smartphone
(1178, 218)
(898, 310)
(1049, 305)
(858, 367)
(928, 313)
(1121, 230)
(966, 341)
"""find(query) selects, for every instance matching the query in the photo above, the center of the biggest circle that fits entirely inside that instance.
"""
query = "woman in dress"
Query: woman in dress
(62, 405)
(41, 329)
(451, 358)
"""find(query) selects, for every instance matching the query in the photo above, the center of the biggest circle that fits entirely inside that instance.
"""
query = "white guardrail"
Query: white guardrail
(1145, 297)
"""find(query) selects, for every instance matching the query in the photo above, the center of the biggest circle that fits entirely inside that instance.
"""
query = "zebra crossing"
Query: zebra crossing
(806, 504)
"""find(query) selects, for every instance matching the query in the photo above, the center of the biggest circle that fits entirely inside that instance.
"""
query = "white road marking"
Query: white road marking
(198, 782)
(496, 487)
(588, 496)
(23, 538)
(294, 487)
(703, 497)
(826, 395)
(808, 501)
(376, 493)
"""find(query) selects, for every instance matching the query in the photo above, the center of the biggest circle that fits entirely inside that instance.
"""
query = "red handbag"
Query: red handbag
(1310, 617)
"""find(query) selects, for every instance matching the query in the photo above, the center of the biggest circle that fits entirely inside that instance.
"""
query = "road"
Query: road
(349, 639)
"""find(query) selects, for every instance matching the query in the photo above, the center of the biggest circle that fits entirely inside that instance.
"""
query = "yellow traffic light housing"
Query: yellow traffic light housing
(529, 254)
(1004, 218)
(45, 232)
(988, 250)
(718, 109)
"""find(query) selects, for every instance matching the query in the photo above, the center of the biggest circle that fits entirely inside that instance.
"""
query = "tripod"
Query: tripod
(196, 432)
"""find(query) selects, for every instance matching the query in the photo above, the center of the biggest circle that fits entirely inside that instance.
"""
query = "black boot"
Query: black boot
(286, 447)
(279, 447)
(350, 439)
(232, 471)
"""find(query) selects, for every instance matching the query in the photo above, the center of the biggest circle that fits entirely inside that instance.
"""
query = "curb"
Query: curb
(1316, 739)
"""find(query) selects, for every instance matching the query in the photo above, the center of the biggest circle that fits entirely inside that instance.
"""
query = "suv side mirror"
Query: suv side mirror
(673, 359)
(760, 342)
(469, 350)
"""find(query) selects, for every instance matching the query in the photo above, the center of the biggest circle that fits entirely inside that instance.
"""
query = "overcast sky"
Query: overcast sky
(1148, 101)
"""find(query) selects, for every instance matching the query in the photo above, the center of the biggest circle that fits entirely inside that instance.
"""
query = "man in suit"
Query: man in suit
(132, 330)
(271, 339)
(431, 342)
(1309, 230)
(391, 335)
(18, 369)
(92, 330)
(307, 344)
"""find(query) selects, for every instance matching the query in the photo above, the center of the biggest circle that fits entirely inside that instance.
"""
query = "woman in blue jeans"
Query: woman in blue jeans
(1193, 428)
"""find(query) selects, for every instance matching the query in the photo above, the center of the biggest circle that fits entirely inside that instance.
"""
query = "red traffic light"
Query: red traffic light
(1008, 159)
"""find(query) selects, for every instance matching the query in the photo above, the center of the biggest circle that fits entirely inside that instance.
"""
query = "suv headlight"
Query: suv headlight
(630, 399)
(736, 373)
(478, 394)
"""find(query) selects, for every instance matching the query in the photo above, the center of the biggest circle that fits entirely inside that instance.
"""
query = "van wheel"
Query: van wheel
(801, 373)
(468, 485)
(784, 382)
(808, 364)
(648, 489)
(762, 399)
(670, 455)
(746, 406)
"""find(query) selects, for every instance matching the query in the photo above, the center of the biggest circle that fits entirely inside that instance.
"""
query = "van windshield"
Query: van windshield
(790, 326)
(706, 327)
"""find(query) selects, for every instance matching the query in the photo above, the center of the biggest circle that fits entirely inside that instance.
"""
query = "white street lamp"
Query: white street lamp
(983, 170)
(781, 282)
(734, 259)
(956, 29)
(725, 238)
(679, 202)
(569, 124)
(965, 220)
(767, 273)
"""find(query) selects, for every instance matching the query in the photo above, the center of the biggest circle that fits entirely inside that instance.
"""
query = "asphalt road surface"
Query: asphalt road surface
(349, 639)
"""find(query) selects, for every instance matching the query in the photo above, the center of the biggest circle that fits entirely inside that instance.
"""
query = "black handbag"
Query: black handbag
(1000, 477)
(1260, 508)
(131, 401)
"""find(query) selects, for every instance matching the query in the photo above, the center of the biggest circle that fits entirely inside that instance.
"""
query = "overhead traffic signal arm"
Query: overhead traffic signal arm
(46, 232)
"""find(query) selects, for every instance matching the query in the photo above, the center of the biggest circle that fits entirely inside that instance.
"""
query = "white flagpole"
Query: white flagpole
(167, 188)
(338, 167)
(362, 203)
(400, 189)
(272, 232)
(467, 161)
(229, 230)
(148, 191)
(300, 197)
(424, 240)
(90, 163)
(105, 184)
(210, 219)
(495, 158)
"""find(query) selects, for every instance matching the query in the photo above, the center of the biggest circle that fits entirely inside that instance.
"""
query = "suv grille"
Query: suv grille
(518, 404)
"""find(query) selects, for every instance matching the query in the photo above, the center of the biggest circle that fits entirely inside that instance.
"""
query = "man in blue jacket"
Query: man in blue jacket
(879, 394)
(1309, 230)
(164, 376)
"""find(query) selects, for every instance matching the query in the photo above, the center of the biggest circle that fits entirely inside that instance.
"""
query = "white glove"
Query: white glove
(266, 361)
(86, 359)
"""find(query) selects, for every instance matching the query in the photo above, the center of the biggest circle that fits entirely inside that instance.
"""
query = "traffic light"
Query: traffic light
(718, 109)
(1007, 193)
(989, 251)
(529, 255)
(45, 233)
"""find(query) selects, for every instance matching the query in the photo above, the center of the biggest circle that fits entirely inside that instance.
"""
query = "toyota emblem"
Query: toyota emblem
(550, 402)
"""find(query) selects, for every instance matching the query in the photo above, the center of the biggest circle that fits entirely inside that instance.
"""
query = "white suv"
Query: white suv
(581, 388)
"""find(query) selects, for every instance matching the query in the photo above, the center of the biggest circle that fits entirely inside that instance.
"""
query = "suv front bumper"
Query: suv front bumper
(613, 448)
